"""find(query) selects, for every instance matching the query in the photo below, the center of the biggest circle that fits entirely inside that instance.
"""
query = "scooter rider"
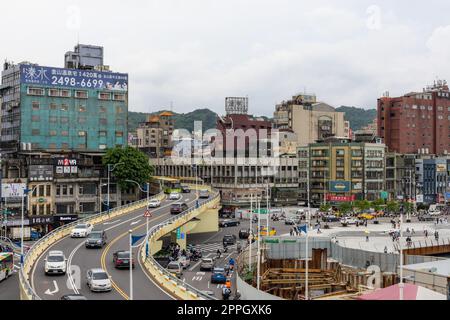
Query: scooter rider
(226, 293)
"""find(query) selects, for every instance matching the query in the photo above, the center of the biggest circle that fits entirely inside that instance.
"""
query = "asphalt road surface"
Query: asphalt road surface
(9, 288)
(82, 259)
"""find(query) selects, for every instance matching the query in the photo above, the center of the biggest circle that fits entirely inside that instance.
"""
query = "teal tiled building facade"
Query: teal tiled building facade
(71, 110)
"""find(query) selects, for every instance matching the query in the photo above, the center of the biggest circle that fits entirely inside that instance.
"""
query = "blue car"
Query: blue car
(218, 276)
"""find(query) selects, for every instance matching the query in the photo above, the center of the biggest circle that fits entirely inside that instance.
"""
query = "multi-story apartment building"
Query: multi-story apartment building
(242, 134)
(53, 109)
(154, 136)
(237, 181)
(51, 114)
(432, 179)
(400, 176)
(418, 122)
(310, 120)
(339, 170)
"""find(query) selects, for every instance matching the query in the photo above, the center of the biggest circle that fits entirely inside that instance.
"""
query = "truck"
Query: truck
(16, 233)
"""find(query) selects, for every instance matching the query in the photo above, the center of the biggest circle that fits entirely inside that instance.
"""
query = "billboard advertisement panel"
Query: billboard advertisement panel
(73, 78)
(40, 173)
(340, 186)
(341, 198)
(13, 190)
(66, 166)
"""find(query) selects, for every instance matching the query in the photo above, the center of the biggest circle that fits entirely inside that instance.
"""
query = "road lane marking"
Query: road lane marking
(106, 250)
(113, 222)
(108, 247)
(113, 227)
(51, 293)
(60, 240)
(69, 268)
(135, 222)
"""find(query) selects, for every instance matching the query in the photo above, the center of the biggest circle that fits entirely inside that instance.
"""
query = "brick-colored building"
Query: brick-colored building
(416, 122)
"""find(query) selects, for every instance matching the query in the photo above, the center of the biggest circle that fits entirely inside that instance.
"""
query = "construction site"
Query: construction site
(327, 278)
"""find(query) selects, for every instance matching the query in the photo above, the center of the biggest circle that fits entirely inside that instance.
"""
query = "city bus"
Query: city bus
(6, 264)
(168, 185)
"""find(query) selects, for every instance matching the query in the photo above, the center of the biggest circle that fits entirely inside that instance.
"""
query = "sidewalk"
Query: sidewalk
(379, 238)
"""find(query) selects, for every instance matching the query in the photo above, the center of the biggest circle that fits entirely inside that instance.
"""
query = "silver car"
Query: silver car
(176, 268)
(207, 264)
(98, 280)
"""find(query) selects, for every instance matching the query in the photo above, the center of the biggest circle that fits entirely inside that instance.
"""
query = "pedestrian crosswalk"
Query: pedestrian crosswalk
(213, 247)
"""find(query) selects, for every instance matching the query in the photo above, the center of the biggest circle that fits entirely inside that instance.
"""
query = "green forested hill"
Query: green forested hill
(358, 117)
(182, 120)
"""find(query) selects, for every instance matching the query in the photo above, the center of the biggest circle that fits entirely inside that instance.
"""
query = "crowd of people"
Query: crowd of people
(5, 248)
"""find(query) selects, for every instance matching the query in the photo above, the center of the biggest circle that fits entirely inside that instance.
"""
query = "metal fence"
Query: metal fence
(294, 248)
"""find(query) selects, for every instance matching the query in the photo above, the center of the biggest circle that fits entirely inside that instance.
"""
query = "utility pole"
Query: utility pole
(258, 280)
(131, 264)
(251, 234)
(401, 285)
(308, 218)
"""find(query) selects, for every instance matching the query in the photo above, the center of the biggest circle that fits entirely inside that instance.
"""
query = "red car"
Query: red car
(121, 259)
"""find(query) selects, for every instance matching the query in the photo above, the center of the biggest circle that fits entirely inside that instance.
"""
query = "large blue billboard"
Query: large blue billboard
(73, 78)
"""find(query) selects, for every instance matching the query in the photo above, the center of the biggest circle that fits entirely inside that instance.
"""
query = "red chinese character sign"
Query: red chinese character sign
(341, 198)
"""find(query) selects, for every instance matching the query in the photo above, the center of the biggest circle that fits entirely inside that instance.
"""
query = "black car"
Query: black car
(292, 221)
(426, 217)
(330, 218)
(178, 207)
(73, 297)
(96, 239)
(229, 223)
(229, 239)
(185, 189)
(244, 233)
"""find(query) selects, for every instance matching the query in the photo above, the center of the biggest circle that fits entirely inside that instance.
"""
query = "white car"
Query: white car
(434, 213)
(174, 196)
(98, 280)
(349, 221)
(184, 261)
(154, 203)
(81, 230)
(55, 263)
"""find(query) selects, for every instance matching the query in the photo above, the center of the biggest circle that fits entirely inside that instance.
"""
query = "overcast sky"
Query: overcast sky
(197, 52)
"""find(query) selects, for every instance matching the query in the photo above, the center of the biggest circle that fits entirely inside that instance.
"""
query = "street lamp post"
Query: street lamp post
(251, 234)
(148, 196)
(109, 179)
(131, 264)
(26, 191)
(401, 285)
(5, 213)
(308, 218)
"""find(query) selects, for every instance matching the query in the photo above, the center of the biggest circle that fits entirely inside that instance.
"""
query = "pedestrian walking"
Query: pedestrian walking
(385, 249)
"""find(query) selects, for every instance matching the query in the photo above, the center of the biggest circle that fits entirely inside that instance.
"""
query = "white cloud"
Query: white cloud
(195, 53)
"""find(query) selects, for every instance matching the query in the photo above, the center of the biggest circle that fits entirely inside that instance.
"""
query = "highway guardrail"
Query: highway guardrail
(26, 290)
(165, 279)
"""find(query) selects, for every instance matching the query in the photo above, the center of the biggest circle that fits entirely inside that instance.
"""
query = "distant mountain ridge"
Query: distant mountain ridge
(358, 117)
(182, 120)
